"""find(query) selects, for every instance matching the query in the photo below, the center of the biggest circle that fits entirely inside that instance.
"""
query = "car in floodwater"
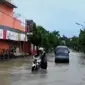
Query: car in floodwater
(62, 54)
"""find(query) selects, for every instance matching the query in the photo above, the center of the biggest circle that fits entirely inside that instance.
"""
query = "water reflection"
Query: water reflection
(81, 59)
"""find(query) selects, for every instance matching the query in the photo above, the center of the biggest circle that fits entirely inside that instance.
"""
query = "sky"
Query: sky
(59, 15)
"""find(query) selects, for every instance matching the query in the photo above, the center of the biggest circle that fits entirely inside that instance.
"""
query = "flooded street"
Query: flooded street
(18, 72)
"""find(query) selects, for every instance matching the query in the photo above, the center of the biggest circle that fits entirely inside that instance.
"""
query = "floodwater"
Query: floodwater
(18, 72)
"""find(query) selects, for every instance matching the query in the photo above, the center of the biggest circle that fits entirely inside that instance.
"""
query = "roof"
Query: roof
(7, 3)
(62, 47)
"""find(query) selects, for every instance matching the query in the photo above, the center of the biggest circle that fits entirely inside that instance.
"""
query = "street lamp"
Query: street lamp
(80, 25)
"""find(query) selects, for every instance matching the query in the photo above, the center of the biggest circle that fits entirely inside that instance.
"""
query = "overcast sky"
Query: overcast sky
(59, 15)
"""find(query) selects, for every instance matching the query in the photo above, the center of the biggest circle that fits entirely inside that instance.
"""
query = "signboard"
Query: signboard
(1, 34)
(22, 37)
(12, 35)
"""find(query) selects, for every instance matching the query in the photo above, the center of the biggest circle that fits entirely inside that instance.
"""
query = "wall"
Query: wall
(3, 45)
(27, 47)
(7, 19)
(6, 9)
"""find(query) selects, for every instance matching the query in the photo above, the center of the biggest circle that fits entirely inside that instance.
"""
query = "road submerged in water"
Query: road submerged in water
(18, 72)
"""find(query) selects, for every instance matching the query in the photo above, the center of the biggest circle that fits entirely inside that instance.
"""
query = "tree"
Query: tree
(75, 43)
(44, 38)
(82, 40)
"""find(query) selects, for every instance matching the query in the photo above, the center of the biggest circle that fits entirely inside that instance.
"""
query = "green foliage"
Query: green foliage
(78, 43)
(75, 43)
(82, 40)
(44, 38)
(49, 40)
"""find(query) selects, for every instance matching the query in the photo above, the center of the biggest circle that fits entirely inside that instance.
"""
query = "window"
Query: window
(62, 50)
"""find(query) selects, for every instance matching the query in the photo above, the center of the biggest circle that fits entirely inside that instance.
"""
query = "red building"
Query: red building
(12, 30)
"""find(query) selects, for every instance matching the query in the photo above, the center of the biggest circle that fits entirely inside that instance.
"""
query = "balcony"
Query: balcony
(11, 22)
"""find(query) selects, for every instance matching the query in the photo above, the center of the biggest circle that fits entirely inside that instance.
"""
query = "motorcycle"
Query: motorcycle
(39, 62)
(36, 63)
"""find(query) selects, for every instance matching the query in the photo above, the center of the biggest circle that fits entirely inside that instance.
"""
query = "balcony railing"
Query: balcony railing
(11, 21)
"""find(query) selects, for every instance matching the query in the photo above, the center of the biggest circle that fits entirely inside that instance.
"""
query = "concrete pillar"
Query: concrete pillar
(35, 48)
(32, 48)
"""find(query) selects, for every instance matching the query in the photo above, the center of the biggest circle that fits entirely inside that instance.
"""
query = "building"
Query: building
(12, 31)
